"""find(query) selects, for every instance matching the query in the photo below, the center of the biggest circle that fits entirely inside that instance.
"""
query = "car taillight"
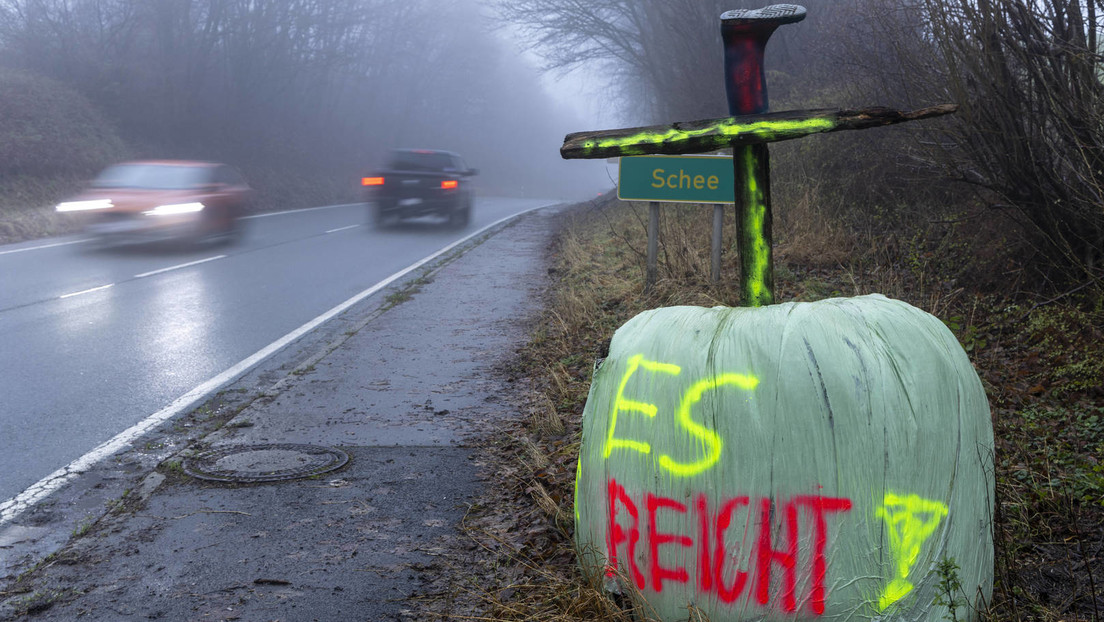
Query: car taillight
(371, 181)
(449, 184)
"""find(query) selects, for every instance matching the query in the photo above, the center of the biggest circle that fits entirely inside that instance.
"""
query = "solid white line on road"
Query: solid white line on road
(342, 228)
(42, 246)
(43, 488)
(183, 265)
(86, 291)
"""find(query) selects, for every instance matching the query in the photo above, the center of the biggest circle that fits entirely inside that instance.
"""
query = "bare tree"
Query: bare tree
(1029, 134)
(648, 49)
(666, 56)
(317, 87)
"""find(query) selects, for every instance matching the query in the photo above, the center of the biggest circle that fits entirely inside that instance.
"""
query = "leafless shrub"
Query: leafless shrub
(1029, 133)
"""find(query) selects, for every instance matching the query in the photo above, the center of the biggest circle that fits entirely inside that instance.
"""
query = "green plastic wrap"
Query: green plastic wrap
(794, 461)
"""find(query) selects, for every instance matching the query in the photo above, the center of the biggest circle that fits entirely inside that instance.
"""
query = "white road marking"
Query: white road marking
(183, 265)
(342, 228)
(86, 291)
(43, 488)
(41, 246)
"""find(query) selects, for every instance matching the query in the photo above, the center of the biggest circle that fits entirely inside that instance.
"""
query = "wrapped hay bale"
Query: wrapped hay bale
(794, 461)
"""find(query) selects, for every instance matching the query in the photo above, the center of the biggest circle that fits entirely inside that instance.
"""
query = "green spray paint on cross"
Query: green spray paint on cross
(747, 132)
(722, 133)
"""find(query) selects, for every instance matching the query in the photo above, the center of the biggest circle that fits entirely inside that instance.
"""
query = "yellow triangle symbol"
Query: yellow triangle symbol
(910, 520)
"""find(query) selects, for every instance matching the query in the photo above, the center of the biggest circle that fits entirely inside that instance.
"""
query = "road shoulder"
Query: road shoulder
(416, 396)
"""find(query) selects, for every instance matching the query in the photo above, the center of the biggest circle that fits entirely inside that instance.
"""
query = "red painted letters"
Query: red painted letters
(768, 555)
(616, 535)
(820, 505)
(714, 574)
(659, 573)
(724, 519)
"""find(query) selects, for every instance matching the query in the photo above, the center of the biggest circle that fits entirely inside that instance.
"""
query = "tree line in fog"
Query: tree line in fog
(304, 84)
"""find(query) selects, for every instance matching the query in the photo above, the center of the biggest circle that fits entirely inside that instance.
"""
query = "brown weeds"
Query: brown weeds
(1040, 366)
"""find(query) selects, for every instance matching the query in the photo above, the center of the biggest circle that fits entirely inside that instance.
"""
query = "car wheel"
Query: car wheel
(379, 215)
(218, 229)
(234, 232)
(460, 216)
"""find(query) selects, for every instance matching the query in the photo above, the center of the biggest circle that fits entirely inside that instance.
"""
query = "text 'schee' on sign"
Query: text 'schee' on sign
(676, 179)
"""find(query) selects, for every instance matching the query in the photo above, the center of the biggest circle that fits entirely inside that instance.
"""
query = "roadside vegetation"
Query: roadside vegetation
(990, 220)
(51, 139)
(1041, 361)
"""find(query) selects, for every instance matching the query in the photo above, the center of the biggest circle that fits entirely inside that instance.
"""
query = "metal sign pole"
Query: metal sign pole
(715, 257)
(653, 244)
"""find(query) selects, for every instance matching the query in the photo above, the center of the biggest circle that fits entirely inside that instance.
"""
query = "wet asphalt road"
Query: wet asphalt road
(403, 388)
(96, 341)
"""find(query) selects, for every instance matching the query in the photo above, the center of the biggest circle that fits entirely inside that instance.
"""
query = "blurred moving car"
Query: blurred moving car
(420, 182)
(157, 200)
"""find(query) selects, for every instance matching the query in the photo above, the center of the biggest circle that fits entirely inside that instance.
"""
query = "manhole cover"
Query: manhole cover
(264, 463)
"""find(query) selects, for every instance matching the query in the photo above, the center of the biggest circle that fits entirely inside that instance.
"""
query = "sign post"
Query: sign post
(745, 34)
(677, 179)
(653, 244)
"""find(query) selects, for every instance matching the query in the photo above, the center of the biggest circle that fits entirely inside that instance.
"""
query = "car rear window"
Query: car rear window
(421, 161)
(151, 177)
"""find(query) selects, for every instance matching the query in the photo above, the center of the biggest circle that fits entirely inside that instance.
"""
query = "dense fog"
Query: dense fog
(315, 87)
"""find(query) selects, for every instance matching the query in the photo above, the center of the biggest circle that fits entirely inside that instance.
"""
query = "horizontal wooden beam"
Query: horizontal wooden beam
(714, 134)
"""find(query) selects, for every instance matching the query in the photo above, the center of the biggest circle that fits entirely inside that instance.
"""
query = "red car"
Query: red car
(158, 200)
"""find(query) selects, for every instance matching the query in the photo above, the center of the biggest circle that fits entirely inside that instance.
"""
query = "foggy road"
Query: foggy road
(95, 341)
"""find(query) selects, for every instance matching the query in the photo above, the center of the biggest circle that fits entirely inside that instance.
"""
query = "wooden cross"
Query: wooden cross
(746, 132)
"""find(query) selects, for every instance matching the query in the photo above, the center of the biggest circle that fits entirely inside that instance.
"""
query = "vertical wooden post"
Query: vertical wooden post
(751, 168)
(745, 34)
(653, 244)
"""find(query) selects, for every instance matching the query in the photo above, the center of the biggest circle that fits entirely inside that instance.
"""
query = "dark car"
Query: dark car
(421, 182)
(159, 200)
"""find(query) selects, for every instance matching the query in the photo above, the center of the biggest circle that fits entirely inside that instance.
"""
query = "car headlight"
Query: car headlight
(177, 208)
(80, 206)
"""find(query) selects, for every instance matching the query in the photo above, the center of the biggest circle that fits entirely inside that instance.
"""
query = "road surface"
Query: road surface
(94, 341)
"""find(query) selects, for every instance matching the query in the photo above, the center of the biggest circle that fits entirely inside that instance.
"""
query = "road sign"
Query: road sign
(676, 179)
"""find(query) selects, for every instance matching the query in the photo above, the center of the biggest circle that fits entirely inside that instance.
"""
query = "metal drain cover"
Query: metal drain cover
(264, 463)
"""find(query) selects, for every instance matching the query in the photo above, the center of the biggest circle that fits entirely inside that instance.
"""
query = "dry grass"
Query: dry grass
(812, 235)
(1040, 364)
(33, 223)
(27, 207)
